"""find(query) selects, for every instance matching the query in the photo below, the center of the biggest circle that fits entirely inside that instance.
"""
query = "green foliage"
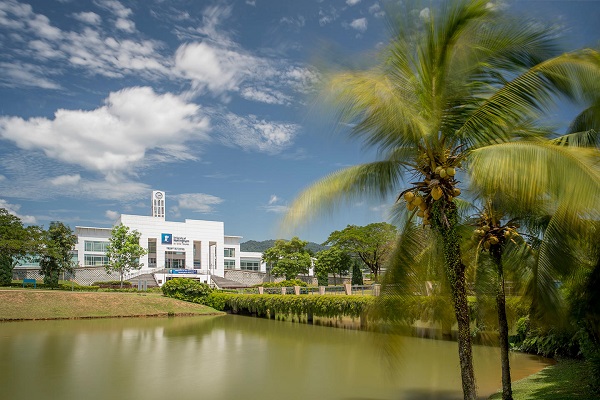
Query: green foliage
(288, 258)
(16, 243)
(357, 276)
(372, 243)
(56, 258)
(186, 289)
(111, 284)
(286, 283)
(333, 261)
(124, 251)
(61, 285)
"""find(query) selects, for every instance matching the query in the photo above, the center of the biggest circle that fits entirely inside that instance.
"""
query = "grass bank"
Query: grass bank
(16, 305)
(566, 380)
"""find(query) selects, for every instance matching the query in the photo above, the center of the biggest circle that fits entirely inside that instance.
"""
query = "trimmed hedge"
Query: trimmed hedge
(288, 283)
(113, 284)
(186, 289)
(62, 285)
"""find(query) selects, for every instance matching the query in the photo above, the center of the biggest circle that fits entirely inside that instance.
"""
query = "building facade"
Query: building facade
(194, 248)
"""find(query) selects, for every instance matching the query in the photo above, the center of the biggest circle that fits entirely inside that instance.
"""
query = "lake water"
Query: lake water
(230, 357)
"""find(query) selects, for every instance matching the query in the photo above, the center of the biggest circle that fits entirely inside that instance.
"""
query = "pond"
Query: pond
(230, 357)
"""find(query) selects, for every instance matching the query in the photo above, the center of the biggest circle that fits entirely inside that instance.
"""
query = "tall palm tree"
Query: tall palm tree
(445, 97)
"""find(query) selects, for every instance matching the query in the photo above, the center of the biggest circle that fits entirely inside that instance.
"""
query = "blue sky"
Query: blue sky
(103, 101)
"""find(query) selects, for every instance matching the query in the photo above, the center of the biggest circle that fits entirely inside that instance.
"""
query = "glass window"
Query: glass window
(91, 260)
(250, 265)
(229, 264)
(99, 247)
(151, 246)
(229, 252)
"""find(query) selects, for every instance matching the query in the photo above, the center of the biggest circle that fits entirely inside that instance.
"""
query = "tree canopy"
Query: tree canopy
(16, 243)
(372, 243)
(288, 258)
(333, 261)
(56, 256)
(124, 251)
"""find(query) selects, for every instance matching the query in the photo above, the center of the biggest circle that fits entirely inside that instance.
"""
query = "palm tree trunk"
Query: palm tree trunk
(455, 269)
(502, 327)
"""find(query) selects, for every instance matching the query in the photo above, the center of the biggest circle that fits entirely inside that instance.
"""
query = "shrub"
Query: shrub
(112, 284)
(186, 289)
(287, 283)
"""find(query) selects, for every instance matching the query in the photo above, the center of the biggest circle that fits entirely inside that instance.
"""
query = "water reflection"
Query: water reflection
(228, 357)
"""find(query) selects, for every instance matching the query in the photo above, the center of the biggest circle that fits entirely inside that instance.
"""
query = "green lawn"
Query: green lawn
(566, 380)
(31, 304)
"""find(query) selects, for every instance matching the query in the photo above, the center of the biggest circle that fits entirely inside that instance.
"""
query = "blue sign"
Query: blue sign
(166, 238)
(182, 271)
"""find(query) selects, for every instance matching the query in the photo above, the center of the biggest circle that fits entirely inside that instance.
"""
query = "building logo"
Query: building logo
(166, 238)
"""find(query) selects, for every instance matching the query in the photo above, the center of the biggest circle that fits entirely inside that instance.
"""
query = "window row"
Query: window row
(99, 247)
(91, 260)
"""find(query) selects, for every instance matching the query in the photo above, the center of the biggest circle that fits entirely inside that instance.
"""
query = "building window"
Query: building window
(98, 247)
(151, 262)
(250, 265)
(229, 264)
(229, 252)
(91, 260)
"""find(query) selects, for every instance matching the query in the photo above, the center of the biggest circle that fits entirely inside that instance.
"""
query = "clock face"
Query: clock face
(158, 195)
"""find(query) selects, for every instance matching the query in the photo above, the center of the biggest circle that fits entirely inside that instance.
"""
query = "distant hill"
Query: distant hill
(253, 245)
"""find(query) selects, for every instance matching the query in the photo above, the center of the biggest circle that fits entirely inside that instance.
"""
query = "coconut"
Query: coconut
(451, 171)
(437, 170)
(487, 244)
(423, 206)
(494, 240)
(507, 233)
(485, 228)
(409, 196)
(410, 206)
(436, 193)
(417, 200)
(478, 232)
(456, 192)
(442, 173)
(421, 213)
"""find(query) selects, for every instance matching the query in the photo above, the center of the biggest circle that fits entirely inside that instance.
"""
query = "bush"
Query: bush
(112, 284)
(186, 289)
(287, 283)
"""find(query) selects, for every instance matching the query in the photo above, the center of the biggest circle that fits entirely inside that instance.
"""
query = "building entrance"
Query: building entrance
(175, 259)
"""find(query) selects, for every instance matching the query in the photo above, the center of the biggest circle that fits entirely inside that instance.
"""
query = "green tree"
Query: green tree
(56, 256)
(372, 243)
(357, 276)
(455, 94)
(288, 258)
(16, 243)
(332, 261)
(124, 251)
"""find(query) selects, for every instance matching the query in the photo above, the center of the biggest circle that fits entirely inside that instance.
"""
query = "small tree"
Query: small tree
(56, 256)
(288, 259)
(16, 243)
(357, 276)
(332, 261)
(372, 243)
(124, 251)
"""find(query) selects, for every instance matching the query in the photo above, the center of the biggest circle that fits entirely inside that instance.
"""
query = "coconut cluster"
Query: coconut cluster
(439, 183)
(488, 235)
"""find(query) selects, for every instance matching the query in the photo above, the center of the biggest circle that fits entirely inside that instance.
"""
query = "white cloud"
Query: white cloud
(118, 9)
(197, 202)
(299, 22)
(252, 133)
(112, 215)
(251, 3)
(215, 68)
(424, 14)
(273, 199)
(125, 25)
(88, 17)
(376, 10)
(359, 24)
(352, 2)
(328, 16)
(13, 209)
(67, 180)
(267, 96)
(19, 74)
(273, 205)
(113, 137)
(2, 178)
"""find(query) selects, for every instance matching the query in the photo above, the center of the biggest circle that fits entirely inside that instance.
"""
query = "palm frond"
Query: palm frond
(372, 180)
(534, 171)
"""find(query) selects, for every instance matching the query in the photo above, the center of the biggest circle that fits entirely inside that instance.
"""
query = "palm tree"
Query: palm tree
(446, 97)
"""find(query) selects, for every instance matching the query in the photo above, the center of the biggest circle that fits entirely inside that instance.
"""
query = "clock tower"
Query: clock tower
(158, 204)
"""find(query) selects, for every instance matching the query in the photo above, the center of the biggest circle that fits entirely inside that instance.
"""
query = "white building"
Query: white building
(193, 248)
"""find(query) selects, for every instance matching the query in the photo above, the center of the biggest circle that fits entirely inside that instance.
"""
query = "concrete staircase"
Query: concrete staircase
(224, 283)
(149, 278)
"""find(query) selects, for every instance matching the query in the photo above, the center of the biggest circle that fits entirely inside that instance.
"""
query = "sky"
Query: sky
(103, 101)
